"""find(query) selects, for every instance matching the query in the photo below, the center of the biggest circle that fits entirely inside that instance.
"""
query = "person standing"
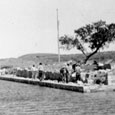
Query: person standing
(40, 72)
(76, 76)
(69, 68)
(34, 70)
(78, 72)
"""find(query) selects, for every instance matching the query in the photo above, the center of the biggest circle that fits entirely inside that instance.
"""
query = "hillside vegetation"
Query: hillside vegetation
(29, 59)
(53, 58)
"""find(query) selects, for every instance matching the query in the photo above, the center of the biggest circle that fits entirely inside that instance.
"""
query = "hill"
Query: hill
(52, 58)
(29, 59)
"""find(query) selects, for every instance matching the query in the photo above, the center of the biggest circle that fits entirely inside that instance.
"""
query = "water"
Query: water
(23, 99)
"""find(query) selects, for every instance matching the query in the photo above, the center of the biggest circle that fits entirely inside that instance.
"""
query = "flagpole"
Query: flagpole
(58, 37)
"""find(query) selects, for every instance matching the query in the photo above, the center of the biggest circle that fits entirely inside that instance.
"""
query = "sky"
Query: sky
(29, 26)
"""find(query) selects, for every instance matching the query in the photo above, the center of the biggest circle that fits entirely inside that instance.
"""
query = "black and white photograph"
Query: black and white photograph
(57, 57)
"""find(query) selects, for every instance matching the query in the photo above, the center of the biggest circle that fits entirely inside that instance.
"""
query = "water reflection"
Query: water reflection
(23, 99)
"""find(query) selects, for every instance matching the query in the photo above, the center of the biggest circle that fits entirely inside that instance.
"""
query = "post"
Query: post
(58, 37)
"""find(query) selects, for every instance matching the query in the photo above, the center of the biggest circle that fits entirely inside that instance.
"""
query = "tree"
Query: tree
(90, 38)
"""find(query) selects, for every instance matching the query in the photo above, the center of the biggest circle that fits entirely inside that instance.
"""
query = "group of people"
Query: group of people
(71, 72)
(37, 72)
(77, 73)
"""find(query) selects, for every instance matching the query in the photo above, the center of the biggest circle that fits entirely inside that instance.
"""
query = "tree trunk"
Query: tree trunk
(91, 54)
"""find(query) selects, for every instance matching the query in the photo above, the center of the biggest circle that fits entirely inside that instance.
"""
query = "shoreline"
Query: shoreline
(64, 86)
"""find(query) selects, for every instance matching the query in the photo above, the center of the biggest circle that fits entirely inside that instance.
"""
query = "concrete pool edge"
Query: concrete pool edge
(64, 86)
